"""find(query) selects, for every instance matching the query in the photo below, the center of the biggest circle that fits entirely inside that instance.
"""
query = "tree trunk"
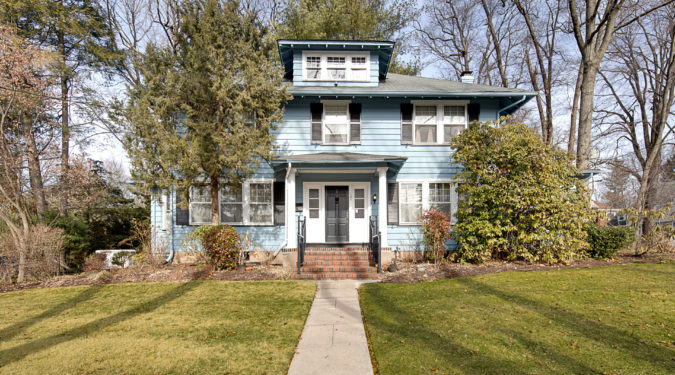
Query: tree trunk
(572, 142)
(215, 216)
(34, 170)
(21, 276)
(651, 195)
(586, 115)
(65, 126)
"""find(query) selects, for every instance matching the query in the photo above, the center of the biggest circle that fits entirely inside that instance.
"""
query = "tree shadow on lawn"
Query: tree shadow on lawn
(19, 352)
(450, 352)
(16, 328)
(625, 341)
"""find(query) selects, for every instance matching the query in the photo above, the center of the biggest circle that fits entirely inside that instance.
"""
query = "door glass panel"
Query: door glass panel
(313, 203)
(360, 203)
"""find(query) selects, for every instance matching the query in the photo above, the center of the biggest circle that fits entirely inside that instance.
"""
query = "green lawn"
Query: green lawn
(201, 327)
(606, 320)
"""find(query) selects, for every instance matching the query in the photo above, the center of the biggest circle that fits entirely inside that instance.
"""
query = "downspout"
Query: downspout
(170, 203)
(288, 172)
(510, 106)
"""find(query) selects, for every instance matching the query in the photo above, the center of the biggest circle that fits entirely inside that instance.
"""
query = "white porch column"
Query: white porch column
(382, 204)
(291, 225)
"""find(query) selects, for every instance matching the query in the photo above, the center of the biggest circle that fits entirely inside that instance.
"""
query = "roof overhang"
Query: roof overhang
(330, 162)
(287, 47)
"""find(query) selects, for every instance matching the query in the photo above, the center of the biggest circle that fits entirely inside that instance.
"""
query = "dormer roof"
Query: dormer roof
(287, 47)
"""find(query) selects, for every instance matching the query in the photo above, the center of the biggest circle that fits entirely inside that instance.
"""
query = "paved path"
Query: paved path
(333, 341)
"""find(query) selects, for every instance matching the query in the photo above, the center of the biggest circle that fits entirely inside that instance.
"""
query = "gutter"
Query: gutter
(281, 247)
(416, 94)
(524, 99)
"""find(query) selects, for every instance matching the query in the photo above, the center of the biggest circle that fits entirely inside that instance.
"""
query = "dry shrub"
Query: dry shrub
(44, 253)
(153, 248)
(661, 241)
(95, 262)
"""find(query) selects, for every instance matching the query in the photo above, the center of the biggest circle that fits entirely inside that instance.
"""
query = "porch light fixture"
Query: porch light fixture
(374, 198)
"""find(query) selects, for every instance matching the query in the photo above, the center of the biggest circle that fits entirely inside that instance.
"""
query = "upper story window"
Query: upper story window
(335, 122)
(335, 66)
(432, 122)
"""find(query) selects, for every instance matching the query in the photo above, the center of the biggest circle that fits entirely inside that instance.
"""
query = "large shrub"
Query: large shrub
(521, 198)
(221, 244)
(436, 232)
(605, 242)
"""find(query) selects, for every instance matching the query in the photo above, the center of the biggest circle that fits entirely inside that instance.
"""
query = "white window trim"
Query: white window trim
(246, 205)
(325, 103)
(440, 119)
(425, 197)
(324, 65)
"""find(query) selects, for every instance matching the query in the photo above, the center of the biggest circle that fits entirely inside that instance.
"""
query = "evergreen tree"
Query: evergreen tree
(351, 20)
(206, 107)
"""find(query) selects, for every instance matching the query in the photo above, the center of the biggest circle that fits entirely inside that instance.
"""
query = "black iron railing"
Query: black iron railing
(375, 237)
(302, 241)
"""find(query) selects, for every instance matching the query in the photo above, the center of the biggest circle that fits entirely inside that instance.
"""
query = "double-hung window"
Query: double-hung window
(337, 68)
(336, 124)
(410, 202)
(426, 122)
(454, 121)
(440, 197)
(200, 205)
(410, 198)
(251, 203)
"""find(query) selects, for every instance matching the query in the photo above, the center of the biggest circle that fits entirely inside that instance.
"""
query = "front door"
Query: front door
(337, 214)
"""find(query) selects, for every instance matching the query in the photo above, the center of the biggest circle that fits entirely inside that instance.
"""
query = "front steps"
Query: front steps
(337, 264)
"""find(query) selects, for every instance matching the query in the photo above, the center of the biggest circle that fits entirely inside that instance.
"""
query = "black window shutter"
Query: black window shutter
(355, 123)
(279, 203)
(406, 123)
(392, 203)
(182, 216)
(316, 110)
(474, 112)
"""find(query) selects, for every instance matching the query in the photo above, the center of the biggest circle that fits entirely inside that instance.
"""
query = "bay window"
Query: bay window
(200, 205)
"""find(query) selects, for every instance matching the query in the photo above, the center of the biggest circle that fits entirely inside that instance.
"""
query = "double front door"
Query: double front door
(336, 212)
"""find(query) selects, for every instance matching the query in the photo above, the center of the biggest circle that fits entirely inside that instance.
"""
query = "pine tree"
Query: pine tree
(350, 20)
(206, 107)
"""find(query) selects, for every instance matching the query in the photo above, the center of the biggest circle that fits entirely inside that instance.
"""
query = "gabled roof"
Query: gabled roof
(404, 85)
(288, 46)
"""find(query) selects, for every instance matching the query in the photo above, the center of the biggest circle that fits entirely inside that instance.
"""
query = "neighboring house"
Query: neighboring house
(356, 144)
(607, 215)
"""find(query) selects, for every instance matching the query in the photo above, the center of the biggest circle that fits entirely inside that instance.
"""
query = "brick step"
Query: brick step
(320, 252)
(337, 259)
(324, 269)
(337, 276)
(353, 263)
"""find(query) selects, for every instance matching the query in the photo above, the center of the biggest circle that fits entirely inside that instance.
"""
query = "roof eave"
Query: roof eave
(360, 93)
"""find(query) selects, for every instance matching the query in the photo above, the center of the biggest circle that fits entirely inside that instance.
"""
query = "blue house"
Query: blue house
(357, 145)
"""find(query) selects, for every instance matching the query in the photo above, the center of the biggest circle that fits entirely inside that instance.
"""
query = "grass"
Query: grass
(606, 320)
(199, 327)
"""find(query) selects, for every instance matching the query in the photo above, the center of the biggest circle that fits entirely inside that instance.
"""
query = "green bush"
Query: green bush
(605, 242)
(436, 230)
(221, 244)
(520, 197)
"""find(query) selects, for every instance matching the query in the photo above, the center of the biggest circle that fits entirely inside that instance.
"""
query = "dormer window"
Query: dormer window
(336, 66)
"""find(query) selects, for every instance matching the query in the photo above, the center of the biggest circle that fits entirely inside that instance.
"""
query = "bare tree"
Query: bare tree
(593, 23)
(639, 83)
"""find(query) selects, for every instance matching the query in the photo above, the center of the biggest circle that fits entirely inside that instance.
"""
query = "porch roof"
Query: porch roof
(342, 160)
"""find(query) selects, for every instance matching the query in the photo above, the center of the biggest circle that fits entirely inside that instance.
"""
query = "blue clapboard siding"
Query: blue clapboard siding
(380, 134)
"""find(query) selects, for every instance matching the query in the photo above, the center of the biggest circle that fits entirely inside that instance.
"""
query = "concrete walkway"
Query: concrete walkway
(333, 340)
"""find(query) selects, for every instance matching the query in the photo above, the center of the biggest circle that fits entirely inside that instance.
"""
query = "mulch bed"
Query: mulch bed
(412, 273)
(169, 273)
(406, 273)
